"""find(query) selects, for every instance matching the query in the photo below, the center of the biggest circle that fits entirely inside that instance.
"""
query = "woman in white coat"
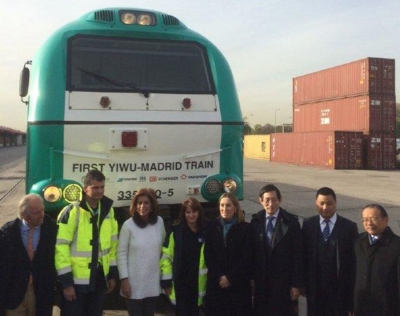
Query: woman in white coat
(139, 251)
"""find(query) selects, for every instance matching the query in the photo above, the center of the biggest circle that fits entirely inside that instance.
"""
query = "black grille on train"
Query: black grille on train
(104, 16)
(169, 20)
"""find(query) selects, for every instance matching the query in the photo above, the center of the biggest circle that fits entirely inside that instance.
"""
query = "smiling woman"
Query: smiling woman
(228, 253)
(139, 252)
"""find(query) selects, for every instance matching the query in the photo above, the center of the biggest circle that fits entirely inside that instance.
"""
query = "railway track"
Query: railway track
(12, 188)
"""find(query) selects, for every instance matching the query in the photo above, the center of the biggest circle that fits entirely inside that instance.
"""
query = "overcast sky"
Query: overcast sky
(266, 42)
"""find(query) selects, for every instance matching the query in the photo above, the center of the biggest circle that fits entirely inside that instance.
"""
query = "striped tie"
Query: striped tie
(326, 231)
(29, 248)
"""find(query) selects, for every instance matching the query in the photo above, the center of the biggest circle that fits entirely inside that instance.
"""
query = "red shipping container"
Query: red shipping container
(365, 76)
(334, 149)
(380, 151)
(362, 113)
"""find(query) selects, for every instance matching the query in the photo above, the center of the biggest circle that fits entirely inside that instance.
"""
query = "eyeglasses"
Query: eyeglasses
(373, 220)
(271, 200)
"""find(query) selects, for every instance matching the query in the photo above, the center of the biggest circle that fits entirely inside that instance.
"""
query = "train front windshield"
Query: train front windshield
(143, 66)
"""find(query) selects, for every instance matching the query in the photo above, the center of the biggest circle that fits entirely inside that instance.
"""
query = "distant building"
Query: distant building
(11, 137)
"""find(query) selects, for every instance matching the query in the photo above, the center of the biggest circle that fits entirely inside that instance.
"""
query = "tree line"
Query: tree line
(267, 128)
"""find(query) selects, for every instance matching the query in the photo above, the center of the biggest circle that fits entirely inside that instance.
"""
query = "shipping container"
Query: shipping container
(362, 113)
(365, 76)
(380, 151)
(257, 146)
(334, 149)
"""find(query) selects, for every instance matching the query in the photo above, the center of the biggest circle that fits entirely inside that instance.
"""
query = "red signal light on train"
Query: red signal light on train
(187, 103)
(129, 139)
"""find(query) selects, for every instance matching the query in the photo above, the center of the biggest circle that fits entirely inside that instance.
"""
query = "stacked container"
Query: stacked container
(335, 150)
(357, 97)
(361, 77)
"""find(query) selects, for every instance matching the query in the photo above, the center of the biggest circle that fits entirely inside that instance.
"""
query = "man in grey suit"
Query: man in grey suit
(329, 259)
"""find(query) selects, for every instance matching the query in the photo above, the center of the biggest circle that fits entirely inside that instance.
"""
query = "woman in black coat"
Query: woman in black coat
(228, 254)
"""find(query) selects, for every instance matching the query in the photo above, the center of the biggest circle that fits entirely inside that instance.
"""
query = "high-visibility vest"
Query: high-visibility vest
(166, 266)
(74, 241)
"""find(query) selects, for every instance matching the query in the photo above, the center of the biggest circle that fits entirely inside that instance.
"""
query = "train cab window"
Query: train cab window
(131, 65)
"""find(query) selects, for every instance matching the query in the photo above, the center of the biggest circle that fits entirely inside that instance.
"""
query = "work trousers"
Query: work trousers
(87, 303)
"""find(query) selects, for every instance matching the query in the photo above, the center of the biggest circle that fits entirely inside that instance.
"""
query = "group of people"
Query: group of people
(226, 266)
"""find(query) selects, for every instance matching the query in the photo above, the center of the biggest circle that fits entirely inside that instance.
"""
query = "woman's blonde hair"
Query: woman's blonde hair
(239, 215)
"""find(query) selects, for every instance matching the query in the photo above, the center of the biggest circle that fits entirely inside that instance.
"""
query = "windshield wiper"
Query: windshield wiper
(114, 82)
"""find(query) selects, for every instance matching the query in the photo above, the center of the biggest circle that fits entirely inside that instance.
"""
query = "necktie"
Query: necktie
(270, 228)
(373, 239)
(326, 231)
(29, 246)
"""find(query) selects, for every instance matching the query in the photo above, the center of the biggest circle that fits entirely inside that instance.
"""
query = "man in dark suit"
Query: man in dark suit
(377, 289)
(329, 259)
(27, 269)
(278, 270)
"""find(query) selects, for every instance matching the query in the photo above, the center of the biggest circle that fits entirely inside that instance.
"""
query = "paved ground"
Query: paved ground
(298, 184)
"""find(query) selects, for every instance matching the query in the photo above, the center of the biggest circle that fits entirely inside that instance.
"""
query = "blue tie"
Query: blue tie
(326, 231)
(373, 239)
(270, 229)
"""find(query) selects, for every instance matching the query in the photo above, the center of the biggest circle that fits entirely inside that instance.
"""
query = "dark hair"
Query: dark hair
(153, 216)
(196, 206)
(93, 175)
(378, 207)
(239, 215)
(269, 188)
(326, 191)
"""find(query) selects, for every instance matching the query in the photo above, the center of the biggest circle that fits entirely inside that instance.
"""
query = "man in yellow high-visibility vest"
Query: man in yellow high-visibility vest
(86, 247)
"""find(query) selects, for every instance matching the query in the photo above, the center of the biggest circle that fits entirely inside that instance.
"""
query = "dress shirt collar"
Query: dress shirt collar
(332, 220)
(275, 215)
(24, 225)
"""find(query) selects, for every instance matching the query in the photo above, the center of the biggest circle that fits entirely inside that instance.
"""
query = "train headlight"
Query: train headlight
(230, 185)
(57, 193)
(128, 18)
(72, 193)
(145, 19)
(141, 18)
(52, 194)
(213, 187)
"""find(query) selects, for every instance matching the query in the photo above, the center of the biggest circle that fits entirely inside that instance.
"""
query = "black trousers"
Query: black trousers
(143, 307)
(186, 307)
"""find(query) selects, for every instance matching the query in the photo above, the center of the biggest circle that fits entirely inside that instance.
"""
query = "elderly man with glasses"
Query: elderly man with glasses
(377, 289)
(278, 266)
